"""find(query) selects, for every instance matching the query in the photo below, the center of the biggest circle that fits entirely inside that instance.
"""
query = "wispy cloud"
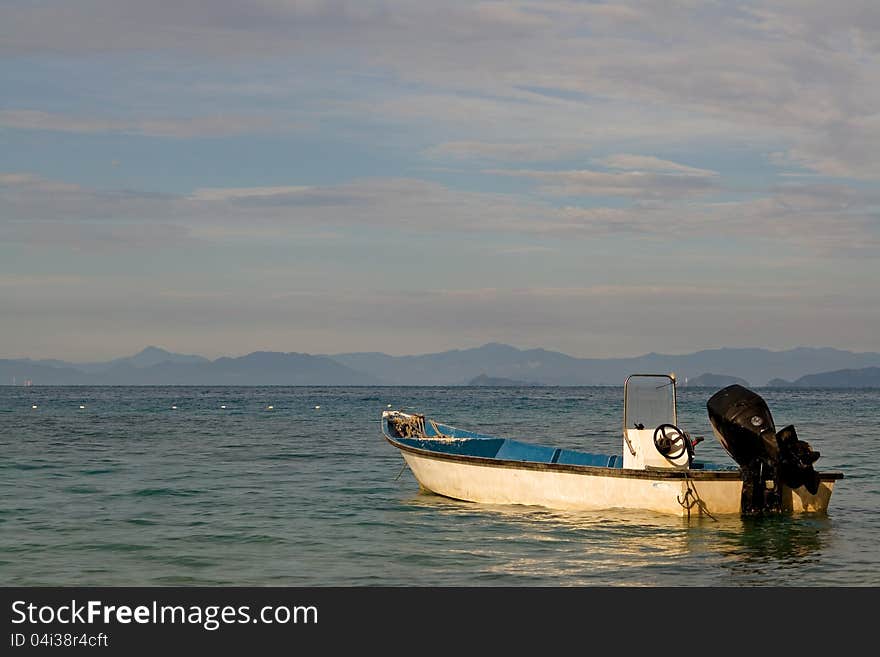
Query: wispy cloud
(650, 163)
(802, 73)
(96, 237)
(239, 193)
(34, 183)
(604, 319)
(792, 218)
(631, 184)
(19, 281)
(206, 126)
(507, 152)
(664, 207)
(525, 250)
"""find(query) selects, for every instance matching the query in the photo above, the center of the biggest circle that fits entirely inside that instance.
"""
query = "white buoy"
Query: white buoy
(269, 407)
(317, 407)
(34, 406)
(389, 406)
(174, 408)
(81, 406)
(223, 406)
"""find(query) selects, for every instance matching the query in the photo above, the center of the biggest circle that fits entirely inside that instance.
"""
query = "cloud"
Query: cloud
(825, 218)
(213, 316)
(235, 194)
(803, 74)
(34, 183)
(40, 212)
(525, 250)
(31, 208)
(376, 203)
(26, 196)
(820, 22)
(19, 281)
(206, 126)
(508, 152)
(630, 184)
(552, 122)
(96, 237)
(569, 107)
(846, 149)
(657, 294)
(792, 219)
(650, 163)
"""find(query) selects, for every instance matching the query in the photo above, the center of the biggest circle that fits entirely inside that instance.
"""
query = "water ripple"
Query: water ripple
(132, 493)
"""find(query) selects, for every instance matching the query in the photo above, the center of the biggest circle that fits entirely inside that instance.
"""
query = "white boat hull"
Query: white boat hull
(607, 488)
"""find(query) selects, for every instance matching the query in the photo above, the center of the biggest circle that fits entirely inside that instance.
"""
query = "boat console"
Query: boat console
(652, 439)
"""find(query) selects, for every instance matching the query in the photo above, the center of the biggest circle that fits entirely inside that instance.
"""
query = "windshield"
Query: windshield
(649, 400)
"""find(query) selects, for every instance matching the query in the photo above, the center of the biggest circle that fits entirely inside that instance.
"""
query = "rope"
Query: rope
(412, 426)
(439, 434)
(692, 499)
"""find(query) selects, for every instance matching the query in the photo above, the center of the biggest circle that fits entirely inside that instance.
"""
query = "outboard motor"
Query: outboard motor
(743, 424)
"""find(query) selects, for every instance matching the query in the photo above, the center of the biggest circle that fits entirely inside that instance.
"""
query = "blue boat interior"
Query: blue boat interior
(451, 440)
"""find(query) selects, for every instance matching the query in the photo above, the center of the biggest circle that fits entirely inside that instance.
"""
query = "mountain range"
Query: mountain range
(456, 367)
(803, 366)
(155, 366)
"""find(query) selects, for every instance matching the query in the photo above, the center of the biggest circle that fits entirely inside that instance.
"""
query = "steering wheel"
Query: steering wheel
(666, 439)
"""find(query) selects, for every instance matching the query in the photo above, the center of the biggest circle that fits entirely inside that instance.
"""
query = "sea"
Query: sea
(294, 486)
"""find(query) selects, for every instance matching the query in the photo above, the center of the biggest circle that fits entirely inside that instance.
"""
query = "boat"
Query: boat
(655, 471)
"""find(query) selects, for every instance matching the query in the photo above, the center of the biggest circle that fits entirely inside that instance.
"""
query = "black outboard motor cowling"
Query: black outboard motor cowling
(743, 424)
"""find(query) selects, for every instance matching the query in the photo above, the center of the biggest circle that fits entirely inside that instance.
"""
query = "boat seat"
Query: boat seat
(512, 450)
(570, 457)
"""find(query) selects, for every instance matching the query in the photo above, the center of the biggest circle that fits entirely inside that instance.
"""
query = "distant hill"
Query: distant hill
(147, 357)
(866, 377)
(155, 356)
(709, 380)
(554, 368)
(258, 368)
(497, 381)
(496, 362)
(21, 370)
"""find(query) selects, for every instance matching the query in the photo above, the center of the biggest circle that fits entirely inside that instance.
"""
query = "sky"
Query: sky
(603, 179)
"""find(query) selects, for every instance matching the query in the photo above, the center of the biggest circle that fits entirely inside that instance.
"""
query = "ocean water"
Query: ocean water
(128, 491)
